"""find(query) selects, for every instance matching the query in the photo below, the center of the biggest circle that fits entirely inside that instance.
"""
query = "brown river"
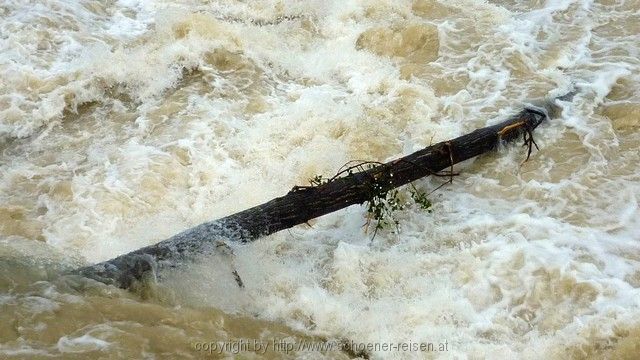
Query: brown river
(123, 122)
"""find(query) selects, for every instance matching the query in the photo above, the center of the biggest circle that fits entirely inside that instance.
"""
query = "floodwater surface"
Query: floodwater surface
(124, 122)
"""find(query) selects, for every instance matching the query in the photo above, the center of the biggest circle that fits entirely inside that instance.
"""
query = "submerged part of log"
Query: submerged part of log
(302, 204)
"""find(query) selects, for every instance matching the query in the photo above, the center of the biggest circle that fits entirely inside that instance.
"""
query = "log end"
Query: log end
(124, 272)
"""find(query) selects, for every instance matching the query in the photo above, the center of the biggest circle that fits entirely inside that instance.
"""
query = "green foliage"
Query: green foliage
(383, 203)
(420, 198)
(382, 207)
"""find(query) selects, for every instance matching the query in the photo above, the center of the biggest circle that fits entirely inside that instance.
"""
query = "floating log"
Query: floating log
(304, 203)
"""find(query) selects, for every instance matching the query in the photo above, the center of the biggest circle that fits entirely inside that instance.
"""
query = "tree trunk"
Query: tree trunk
(302, 204)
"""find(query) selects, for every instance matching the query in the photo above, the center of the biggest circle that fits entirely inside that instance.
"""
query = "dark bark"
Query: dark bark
(302, 204)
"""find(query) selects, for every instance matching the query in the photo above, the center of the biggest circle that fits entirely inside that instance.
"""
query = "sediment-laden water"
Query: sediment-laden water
(125, 122)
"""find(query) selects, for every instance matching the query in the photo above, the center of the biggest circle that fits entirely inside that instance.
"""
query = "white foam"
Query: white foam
(81, 344)
(512, 257)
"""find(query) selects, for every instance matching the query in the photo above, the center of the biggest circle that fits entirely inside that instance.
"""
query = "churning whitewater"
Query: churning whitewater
(125, 122)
